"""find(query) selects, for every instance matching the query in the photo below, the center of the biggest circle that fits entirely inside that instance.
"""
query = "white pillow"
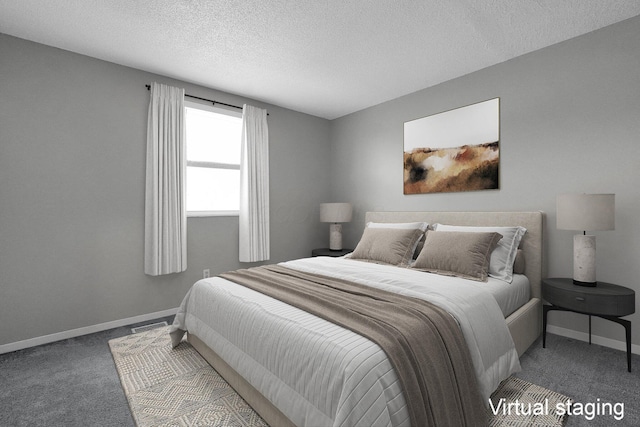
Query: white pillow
(503, 256)
(404, 225)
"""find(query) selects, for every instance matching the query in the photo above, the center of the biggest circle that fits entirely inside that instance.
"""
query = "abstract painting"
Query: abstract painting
(456, 150)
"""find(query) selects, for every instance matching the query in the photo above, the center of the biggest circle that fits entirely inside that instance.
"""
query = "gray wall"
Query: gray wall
(570, 122)
(72, 164)
(72, 140)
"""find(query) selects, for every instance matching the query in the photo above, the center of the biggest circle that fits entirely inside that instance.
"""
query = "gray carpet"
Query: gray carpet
(586, 373)
(67, 383)
(75, 383)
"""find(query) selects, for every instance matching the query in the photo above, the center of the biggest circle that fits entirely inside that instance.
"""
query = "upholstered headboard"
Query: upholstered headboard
(531, 242)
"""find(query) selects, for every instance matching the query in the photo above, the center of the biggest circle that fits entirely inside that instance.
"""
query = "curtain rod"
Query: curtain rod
(214, 102)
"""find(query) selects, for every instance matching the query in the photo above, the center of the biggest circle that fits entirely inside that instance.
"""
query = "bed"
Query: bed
(335, 377)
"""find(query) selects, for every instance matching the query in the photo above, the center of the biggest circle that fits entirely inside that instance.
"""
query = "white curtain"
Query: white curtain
(254, 186)
(165, 228)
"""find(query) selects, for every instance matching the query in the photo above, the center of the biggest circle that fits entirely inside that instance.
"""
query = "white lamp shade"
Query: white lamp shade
(335, 212)
(585, 212)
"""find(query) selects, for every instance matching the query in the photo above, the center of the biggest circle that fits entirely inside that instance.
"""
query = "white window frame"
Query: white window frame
(213, 165)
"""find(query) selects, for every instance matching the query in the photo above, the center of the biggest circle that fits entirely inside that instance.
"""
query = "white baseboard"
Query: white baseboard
(595, 339)
(46, 339)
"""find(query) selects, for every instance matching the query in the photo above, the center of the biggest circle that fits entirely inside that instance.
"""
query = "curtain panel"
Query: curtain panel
(165, 232)
(254, 242)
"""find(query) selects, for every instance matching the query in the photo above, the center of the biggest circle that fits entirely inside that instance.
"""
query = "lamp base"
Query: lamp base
(585, 284)
(335, 237)
(584, 260)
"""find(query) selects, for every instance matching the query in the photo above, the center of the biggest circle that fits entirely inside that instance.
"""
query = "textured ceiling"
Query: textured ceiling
(322, 57)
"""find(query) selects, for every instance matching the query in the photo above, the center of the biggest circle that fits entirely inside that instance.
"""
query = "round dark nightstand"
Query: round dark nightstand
(329, 252)
(605, 300)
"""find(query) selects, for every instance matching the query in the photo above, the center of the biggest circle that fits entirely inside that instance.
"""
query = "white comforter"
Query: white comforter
(321, 374)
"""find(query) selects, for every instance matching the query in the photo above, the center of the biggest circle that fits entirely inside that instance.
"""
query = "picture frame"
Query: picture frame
(455, 150)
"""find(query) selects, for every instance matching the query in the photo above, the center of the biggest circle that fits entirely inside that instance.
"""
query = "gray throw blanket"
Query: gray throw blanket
(422, 341)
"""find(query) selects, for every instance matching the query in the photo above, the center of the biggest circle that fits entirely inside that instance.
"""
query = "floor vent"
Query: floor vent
(148, 327)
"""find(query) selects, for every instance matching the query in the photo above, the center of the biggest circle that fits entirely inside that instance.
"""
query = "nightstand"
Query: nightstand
(329, 252)
(606, 300)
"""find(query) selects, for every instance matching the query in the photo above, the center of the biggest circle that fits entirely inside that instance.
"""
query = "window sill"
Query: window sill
(196, 214)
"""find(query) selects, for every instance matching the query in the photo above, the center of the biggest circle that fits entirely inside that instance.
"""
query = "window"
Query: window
(213, 160)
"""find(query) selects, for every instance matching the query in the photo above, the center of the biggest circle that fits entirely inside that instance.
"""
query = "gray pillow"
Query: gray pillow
(458, 253)
(519, 263)
(393, 246)
(501, 262)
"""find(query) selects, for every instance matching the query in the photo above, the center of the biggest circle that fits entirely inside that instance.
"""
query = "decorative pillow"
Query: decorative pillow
(393, 246)
(502, 258)
(404, 225)
(457, 253)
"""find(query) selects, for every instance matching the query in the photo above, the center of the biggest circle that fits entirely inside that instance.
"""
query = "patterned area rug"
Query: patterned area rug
(176, 387)
(525, 405)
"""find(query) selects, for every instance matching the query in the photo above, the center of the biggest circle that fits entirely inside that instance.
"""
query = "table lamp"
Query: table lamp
(585, 212)
(335, 213)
